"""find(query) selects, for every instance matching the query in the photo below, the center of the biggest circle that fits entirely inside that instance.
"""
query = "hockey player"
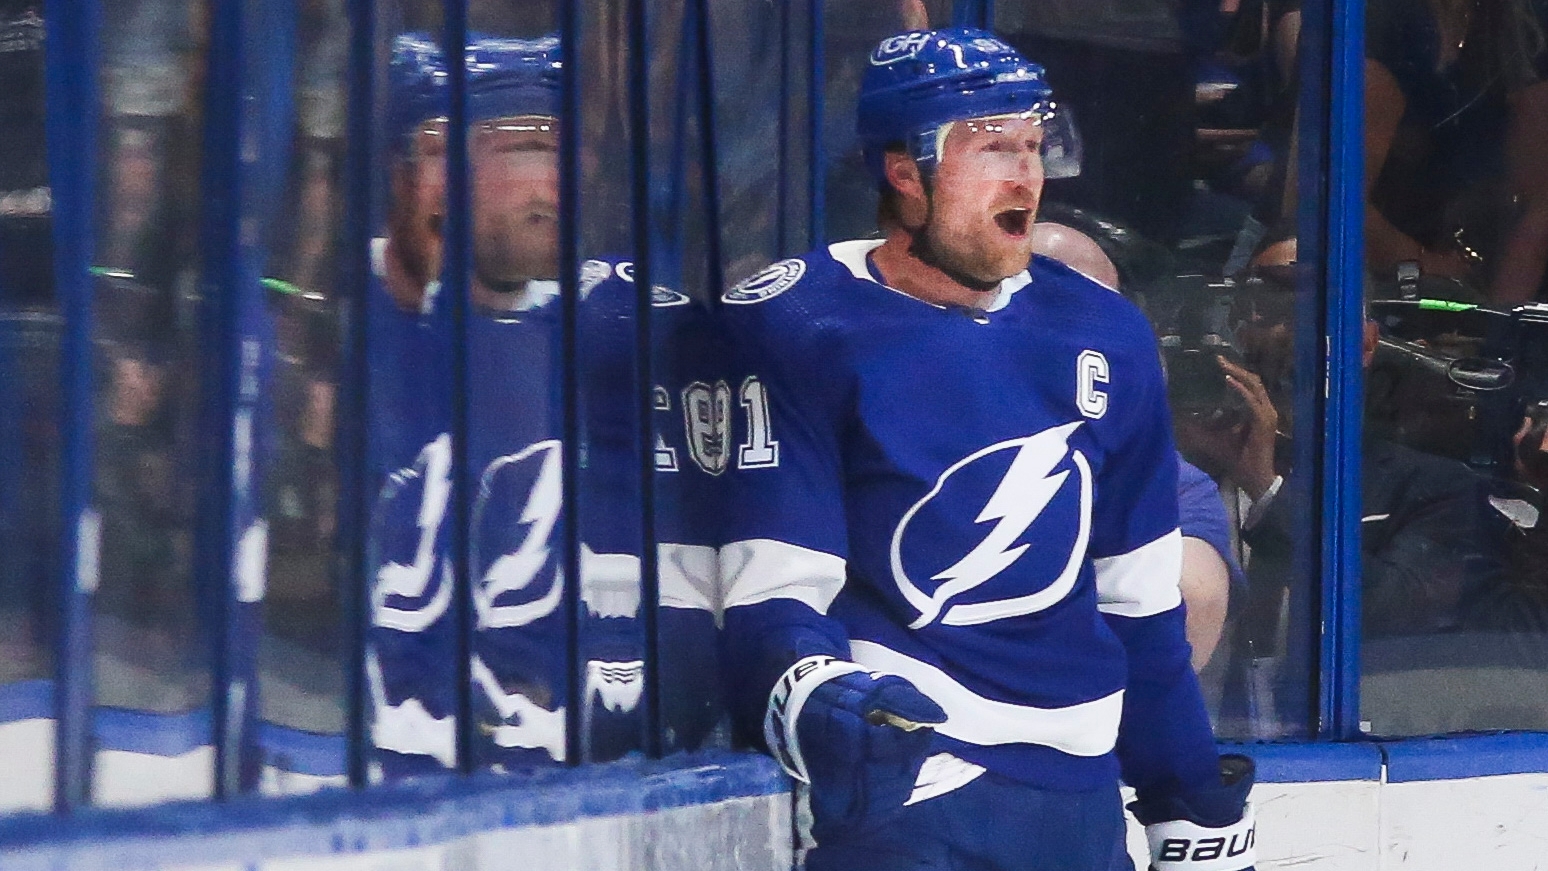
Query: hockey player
(410, 656)
(514, 101)
(951, 582)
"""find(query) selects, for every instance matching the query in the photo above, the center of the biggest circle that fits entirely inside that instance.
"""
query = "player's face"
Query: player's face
(985, 196)
(430, 174)
(419, 202)
(515, 168)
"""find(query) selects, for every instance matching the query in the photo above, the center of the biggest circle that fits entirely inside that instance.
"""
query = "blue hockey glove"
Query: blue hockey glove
(1207, 830)
(857, 738)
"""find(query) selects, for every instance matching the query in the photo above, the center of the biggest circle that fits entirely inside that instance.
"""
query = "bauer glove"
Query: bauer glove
(856, 738)
(1207, 830)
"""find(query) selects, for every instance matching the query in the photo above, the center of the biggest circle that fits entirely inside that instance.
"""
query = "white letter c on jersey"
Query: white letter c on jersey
(1091, 370)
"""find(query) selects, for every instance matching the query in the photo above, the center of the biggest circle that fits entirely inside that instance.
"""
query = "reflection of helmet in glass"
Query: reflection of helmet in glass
(510, 77)
(416, 88)
(920, 81)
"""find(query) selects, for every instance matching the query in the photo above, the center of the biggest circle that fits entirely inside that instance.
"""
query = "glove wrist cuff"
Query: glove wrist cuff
(1181, 845)
(787, 699)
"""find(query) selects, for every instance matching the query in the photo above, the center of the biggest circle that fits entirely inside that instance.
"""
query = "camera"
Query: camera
(1455, 379)
(1192, 317)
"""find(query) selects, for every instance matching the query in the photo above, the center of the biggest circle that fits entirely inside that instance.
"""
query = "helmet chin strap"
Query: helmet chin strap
(921, 249)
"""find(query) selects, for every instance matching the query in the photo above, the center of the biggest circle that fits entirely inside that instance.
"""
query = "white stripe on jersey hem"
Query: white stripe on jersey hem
(688, 577)
(1143, 581)
(1084, 729)
(759, 569)
(940, 774)
(852, 255)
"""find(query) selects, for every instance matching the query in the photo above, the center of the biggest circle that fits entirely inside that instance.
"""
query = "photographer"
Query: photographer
(1426, 531)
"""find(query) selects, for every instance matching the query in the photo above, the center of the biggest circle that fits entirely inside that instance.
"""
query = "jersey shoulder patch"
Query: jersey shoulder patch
(766, 285)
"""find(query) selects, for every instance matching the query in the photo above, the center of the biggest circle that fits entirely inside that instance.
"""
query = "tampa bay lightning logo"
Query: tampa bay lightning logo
(513, 557)
(660, 295)
(413, 578)
(1012, 485)
(666, 297)
(767, 284)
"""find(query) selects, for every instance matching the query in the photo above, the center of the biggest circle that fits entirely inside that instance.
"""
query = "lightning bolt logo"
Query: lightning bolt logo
(518, 569)
(1020, 498)
(412, 580)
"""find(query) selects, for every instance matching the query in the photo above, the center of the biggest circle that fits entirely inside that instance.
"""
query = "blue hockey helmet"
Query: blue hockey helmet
(922, 80)
(510, 77)
(416, 88)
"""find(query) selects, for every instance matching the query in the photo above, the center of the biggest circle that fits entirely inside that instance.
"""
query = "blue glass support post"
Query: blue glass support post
(247, 137)
(784, 178)
(352, 447)
(816, 101)
(700, 11)
(1309, 151)
(71, 60)
(645, 413)
(454, 297)
(569, 296)
(1340, 697)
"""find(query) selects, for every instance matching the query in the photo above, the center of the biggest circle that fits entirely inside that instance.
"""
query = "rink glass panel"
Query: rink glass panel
(1185, 126)
(410, 685)
(688, 438)
(522, 630)
(760, 80)
(152, 651)
(1455, 595)
(615, 281)
(30, 324)
(303, 644)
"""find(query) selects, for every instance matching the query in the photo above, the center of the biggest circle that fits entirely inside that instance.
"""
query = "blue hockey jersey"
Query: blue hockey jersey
(521, 633)
(984, 503)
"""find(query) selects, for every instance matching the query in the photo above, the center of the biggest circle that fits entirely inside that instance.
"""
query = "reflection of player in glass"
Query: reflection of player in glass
(951, 581)
(409, 258)
(521, 698)
(513, 156)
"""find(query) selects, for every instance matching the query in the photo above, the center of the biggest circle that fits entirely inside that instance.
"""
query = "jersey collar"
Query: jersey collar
(855, 255)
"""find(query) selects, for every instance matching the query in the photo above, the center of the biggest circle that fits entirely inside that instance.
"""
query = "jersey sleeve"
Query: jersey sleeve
(1165, 744)
(1202, 515)
(785, 537)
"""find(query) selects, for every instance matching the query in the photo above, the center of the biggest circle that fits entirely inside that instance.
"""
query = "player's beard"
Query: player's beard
(963, 267)
(505, 258)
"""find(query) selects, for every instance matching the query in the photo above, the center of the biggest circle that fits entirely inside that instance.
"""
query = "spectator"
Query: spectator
(1456, 143)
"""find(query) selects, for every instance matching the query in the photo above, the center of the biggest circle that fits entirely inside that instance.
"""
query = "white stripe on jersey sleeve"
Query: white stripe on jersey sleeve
(688, 576)
(1086, 729)
(1143, 581)
(759, 569)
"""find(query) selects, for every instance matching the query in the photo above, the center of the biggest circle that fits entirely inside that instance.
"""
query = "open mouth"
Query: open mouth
(1015, 222)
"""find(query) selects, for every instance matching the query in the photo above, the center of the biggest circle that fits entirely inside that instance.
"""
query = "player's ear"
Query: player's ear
(903, 174)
